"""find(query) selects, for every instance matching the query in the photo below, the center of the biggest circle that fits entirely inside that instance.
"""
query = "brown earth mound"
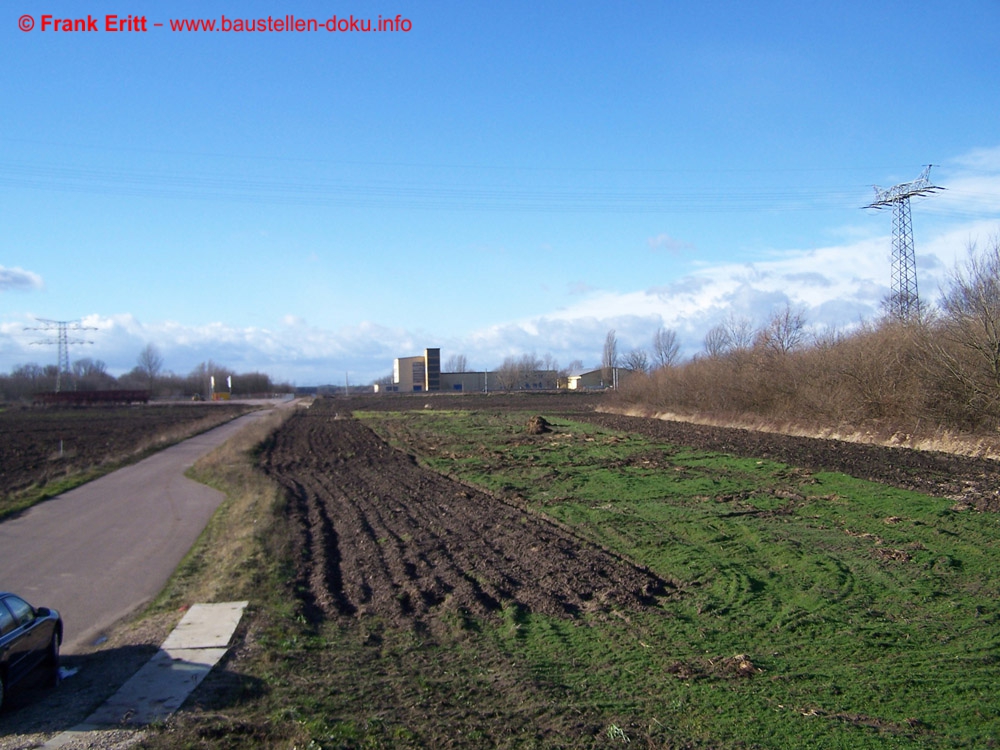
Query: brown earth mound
(538, 426)
(381, 535)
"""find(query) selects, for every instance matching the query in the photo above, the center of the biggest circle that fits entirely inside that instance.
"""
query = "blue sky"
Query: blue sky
(504, 178)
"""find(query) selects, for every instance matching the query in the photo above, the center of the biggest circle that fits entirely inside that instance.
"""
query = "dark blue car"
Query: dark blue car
(29, 637)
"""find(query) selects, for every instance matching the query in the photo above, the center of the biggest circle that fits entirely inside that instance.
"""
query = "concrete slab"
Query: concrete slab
(159, 688)
(206, 626)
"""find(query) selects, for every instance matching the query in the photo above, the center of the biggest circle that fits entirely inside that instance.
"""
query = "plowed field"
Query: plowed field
(975, 481)
(422, 591)
(778, 608)
(381, 535)
(42, 445)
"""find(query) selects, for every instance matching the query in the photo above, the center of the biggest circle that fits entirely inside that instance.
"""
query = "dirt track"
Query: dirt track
(381, 535)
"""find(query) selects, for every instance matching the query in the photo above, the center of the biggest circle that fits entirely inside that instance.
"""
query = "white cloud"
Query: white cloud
(985, 159)
(971, 185)
(835, 286)
(18, 278)
(293, 351)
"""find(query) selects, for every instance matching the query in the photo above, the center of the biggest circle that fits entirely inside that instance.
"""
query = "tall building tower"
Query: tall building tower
(432, 371)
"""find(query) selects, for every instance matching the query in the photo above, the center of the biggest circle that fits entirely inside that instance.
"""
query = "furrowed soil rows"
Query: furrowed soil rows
(382, 535)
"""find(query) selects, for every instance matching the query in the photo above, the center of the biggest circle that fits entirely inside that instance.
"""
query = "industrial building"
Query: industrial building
(422, 373)
(591, 379)
(414, 374)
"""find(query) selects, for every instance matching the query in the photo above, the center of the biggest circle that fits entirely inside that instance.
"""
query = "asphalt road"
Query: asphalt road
(100, 551)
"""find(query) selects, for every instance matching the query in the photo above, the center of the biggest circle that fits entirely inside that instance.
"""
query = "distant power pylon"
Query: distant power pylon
(904, 301)
(62, 340)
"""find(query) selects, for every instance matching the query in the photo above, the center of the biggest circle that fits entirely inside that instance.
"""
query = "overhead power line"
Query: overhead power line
(416, 194)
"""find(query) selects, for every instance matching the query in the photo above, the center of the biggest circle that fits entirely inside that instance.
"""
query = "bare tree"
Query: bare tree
(970, 326)
(150, 364)
(30, 378)
(716, 341)
(456, 363)
(636, 361)
(508, 375)
(200, 379)
(740, 333)
(525, 371)
(250, 383)
(29, 372)
(532, 372)
(665, 347)
(609, 358)
(91, 375)
(87, 367)
(734, 335)
(783, 333)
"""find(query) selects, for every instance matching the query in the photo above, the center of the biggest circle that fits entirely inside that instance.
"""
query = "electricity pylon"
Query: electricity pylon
(62, 340)
(904, 301)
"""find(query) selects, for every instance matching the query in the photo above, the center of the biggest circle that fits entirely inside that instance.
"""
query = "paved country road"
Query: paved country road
(98, 552)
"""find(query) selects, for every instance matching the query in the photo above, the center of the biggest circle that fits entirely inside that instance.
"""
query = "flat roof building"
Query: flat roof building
(416, 374)
(422, 373)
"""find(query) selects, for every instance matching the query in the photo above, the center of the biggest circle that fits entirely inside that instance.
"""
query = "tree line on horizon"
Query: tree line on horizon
(86, 374)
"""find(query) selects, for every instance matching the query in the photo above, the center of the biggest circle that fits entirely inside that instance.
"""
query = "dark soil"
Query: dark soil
(538, 426)
(388, 548)
(381, 535)
(40, 445)
(383, 540)
(969, 480)
(974, 481)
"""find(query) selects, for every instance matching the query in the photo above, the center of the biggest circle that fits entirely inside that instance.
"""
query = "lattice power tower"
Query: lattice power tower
(62, 340)
(904, 302)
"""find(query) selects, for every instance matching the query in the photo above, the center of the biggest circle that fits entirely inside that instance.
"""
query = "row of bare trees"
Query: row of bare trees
(148, 374)
(666, 350)
(939, 369)
(528, 372)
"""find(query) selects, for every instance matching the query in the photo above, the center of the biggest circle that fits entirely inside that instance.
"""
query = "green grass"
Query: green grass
(814, 611)
(867, 615)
